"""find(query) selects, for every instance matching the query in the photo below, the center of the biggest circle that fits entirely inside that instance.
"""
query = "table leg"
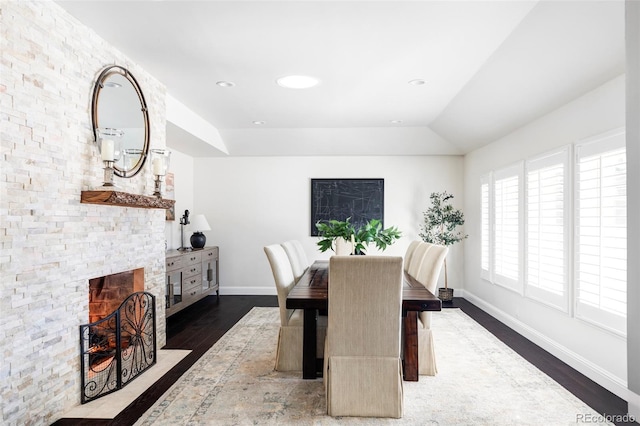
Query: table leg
(411, 346)
(309, 343)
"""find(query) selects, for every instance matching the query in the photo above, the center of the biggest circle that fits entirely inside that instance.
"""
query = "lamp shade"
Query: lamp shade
(198, 224)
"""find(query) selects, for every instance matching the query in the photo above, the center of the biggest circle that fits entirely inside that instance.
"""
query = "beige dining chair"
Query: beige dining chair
(362, 366)
(409, 253)
(416, 259)
(427, 274)
(289, 349)
(297, 258)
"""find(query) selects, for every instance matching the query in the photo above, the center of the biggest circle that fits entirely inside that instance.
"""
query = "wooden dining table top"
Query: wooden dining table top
(311, 291)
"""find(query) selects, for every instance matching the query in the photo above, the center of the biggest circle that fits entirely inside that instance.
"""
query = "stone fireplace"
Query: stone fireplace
(53, 244)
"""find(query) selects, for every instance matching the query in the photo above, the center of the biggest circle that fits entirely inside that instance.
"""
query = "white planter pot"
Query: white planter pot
(343, 247)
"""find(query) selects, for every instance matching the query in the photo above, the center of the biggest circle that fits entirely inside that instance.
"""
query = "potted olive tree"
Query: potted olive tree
(440, 225)
(344, 238)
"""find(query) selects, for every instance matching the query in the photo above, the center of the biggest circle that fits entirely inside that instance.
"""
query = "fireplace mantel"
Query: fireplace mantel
(125, 199)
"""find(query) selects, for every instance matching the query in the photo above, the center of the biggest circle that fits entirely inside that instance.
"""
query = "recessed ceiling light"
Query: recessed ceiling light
(225, 83)
(112, 84)
(396, 121)
(297, 81)
(417, 82)
(259, 122)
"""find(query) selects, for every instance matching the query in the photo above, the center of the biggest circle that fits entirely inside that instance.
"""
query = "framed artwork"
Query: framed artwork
(359, 199)
(170, 194)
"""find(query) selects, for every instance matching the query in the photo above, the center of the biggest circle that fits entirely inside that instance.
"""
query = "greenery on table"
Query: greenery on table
(441, 222)
(370, 232)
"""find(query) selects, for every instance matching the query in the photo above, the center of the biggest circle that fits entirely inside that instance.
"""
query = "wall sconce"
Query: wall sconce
(199, 224)
(159, 166)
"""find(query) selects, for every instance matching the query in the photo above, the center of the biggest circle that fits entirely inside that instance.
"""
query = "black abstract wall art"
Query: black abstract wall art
(359, 199)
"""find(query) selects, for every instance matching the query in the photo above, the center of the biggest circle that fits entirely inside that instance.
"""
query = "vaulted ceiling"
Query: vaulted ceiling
(489, 67)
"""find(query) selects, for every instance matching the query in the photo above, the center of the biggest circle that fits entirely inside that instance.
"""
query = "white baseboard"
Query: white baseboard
(634, 406)
(597, 374)
(248, 291)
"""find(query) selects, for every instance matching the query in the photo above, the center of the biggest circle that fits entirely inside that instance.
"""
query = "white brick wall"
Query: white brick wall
(50, 243)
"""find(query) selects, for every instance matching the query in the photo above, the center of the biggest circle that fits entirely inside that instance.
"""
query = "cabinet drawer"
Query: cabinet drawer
(191, 287)
(174, 263)
(209, 254)
(192, 270)
(190, 282)
(192, 258)
(191, 293)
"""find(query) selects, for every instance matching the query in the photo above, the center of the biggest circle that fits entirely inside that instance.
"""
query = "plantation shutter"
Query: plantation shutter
(507, 253)
(547, 233)
(601, 239)
(484, 228)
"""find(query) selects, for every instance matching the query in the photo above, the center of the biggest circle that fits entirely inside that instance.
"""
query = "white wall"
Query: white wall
(598, 354)
(633, 202)
(251, 202)
(181, 166)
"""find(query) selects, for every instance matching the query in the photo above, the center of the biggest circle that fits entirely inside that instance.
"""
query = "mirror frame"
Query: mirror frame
(99, 85)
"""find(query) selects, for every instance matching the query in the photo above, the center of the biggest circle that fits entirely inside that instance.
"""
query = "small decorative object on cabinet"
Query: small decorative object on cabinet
(190, 276)
(199, 224)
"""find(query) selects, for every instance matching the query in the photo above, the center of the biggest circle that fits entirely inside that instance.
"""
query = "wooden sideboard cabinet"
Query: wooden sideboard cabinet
(191, 275)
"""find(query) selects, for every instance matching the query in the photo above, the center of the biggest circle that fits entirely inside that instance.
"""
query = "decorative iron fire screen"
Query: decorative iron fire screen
(119, 347)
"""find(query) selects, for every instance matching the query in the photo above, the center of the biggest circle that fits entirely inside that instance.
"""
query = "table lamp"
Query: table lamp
(199, 223)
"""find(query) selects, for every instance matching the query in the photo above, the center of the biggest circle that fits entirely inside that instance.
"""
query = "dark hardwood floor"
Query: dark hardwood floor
(198, 327)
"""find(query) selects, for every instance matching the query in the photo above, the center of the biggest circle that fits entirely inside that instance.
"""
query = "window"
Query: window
(506, 232)
(484, 227)
(547, 229)
(554, 229)
(601, 239)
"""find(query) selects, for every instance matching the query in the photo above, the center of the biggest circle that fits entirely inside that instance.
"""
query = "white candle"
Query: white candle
(157, 166)
(108, 148)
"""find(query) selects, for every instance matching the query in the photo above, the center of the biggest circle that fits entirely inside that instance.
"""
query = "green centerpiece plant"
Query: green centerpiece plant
(369, 233)
(441, 222)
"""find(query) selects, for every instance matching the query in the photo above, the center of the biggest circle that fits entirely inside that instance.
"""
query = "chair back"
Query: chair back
(363, 370)
(430, 265)
(409, 253)
(427, 274)
(283, 276)
(365, 301)
(297, 258)
(416, 259)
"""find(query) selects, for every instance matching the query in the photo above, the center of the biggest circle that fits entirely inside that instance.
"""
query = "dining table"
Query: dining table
(311, 295)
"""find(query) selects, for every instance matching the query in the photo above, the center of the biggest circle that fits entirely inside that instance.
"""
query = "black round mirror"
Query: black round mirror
(119, 113)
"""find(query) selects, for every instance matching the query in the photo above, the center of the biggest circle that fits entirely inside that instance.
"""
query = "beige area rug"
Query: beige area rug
(480, 382)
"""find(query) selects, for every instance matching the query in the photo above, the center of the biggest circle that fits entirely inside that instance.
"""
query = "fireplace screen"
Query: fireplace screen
(119, 347)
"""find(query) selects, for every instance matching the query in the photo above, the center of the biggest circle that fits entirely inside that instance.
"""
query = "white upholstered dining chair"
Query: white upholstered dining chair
(289, 349)
(427, 274)
(297, 257)
(362, 366)
(415, 260)
(409, 253)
